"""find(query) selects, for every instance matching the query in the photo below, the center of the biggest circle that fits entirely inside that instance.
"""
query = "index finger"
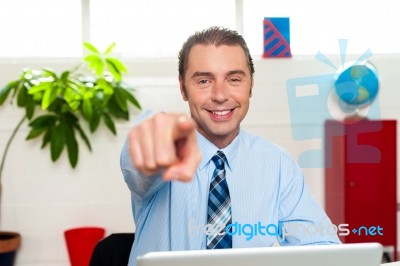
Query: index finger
(189, 158)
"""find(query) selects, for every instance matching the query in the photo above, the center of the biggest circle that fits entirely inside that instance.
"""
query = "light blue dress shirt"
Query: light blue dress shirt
(269, 198)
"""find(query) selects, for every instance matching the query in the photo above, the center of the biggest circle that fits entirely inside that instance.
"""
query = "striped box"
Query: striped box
(276, 37)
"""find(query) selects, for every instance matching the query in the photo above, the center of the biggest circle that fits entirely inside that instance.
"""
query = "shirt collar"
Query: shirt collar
(208, 150)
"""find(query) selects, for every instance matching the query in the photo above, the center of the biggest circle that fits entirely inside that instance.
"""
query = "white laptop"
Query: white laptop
(365, 254)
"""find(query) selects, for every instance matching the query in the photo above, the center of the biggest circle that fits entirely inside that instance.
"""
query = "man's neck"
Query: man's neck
(223, 141)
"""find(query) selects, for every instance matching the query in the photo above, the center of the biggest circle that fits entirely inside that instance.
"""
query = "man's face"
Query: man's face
(217, 86)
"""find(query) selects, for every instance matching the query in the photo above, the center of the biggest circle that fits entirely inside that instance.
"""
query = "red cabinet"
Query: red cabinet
(360, 179)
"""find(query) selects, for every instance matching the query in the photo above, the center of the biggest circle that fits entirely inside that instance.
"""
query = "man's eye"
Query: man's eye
(235, 80)
(203, 81)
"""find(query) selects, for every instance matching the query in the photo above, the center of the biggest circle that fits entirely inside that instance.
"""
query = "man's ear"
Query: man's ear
(251, 88)
(182, 88)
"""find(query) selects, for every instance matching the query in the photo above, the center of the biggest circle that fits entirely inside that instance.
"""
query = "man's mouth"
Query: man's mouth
(225, 112)
(221, 114)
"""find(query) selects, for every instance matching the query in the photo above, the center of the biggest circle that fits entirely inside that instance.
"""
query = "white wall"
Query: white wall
(42, 199)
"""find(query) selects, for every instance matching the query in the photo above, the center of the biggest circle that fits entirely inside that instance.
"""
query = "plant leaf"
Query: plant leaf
(109, 123)
(106, 87)
(87, 109)
(46, 138)
(94, 122)
(35, 132)
(113, 70)
(30, 108)
(110, 48)
(72, 145)
(65, 75)
(43, 121)
(90, 47)
(57, 142)
(83, 136)
(95, 63)
(49, 96)
(131, 98)
(121, 68)
(22, 97)
(121, 100)
(6, 90)
(73, 94)
(115, 110)
(48, 72)
(20, 85)
(76, 86)
(40, 87)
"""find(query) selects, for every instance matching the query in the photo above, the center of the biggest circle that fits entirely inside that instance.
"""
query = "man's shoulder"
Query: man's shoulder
(263, 148)
(255, 142)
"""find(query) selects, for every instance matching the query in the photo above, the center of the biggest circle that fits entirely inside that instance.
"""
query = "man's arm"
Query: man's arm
(303, 221)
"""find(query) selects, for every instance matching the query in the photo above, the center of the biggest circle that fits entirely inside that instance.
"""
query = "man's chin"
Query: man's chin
(224, 133)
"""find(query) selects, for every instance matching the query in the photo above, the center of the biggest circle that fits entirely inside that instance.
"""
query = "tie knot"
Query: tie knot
(219, 159)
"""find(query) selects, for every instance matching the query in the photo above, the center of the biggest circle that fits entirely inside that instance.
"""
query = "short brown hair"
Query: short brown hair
(213, 36)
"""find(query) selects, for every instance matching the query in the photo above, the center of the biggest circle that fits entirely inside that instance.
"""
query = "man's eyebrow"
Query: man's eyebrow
(209, 74)
(202, 74)
(235, 72)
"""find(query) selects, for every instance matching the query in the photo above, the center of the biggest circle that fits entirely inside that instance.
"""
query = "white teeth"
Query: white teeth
(221, 112)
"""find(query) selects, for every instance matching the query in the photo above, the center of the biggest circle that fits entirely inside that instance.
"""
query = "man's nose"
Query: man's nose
(220, 92)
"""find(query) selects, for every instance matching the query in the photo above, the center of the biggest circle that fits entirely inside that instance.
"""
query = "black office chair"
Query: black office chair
(113, 250)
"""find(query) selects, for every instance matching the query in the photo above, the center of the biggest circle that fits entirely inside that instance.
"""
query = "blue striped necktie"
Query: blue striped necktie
(219, 213)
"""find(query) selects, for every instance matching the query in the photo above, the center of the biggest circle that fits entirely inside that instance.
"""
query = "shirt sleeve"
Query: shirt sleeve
(141, 186)
(302, 220)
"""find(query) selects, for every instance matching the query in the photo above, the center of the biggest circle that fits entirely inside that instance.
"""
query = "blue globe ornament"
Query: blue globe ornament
(357, 84)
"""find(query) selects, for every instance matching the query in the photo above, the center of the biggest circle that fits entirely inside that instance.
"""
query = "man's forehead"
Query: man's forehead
(199, 54)
(202, 46)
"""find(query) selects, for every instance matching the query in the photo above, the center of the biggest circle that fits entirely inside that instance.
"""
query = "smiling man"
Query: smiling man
(217, 85)
(201, 182)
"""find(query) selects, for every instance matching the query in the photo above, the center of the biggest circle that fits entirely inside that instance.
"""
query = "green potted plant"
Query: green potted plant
(57, 105)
